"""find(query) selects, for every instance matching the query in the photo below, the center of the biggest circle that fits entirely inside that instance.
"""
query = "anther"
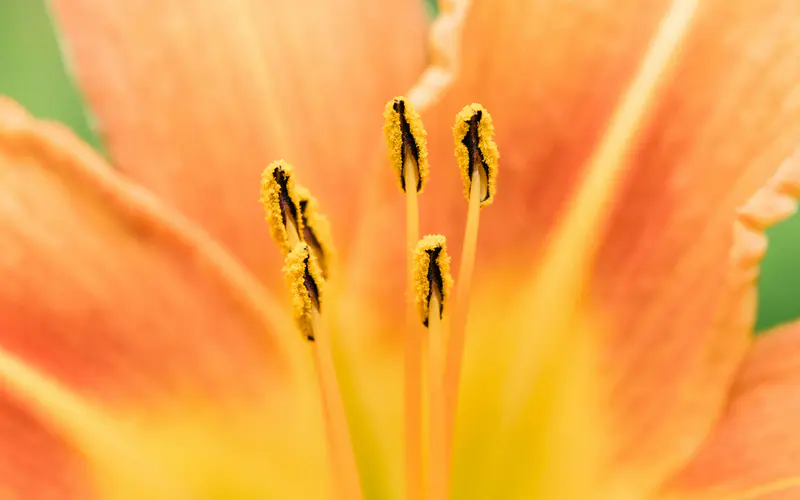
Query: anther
(304, 277)
(316, 229)
(280, 205)
(431, 275)
(475, 149)
(406, 139)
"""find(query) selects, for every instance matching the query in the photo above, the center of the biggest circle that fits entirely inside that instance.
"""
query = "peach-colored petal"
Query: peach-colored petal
(34, 463)
(195, 98)
(93, 265)
(677, 270)
(725, 119)
(754, 450)
(528, 63)
(133, 308)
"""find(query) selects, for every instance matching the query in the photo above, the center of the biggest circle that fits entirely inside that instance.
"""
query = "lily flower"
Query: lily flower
(593, 340)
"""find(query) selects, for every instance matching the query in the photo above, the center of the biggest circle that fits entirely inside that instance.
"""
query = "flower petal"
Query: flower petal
(34, 463)
(133, 308)
(724, 121)
(91, 262)
(196, 97)
(753, 451)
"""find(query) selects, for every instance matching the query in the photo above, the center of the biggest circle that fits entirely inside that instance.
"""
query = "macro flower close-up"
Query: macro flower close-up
(352, 249)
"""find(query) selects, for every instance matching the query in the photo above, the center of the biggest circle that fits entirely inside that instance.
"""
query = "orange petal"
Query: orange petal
(753, 453)
(34, 463)
(724, 120)
(727, 116)
(550, 73)
(196, 97)
(132, 308)
(95, 265)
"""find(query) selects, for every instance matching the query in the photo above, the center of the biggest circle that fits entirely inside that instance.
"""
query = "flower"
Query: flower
(147, 343)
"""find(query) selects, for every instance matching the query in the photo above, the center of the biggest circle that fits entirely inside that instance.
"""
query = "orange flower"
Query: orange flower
(148, 349)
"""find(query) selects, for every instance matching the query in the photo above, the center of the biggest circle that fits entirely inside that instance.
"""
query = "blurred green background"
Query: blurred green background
(32, 72)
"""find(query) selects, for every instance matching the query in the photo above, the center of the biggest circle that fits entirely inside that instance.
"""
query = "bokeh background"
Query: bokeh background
(33, 72)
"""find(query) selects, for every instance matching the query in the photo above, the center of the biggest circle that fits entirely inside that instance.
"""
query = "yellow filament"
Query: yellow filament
(408, 155)
(340, 448)
(480, 188)
(413, 364)
(306, 287)
(438, 470)
(432, 284)
(456, 339)
(412, 217)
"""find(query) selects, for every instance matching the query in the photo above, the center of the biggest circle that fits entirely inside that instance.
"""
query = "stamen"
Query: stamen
(477, 157)
(431, 276)
(304, 277)
(316, 230)
(408, 154)
(432, 285)
(406, 139)
(280, 205)
(306, 286)
(476, 150)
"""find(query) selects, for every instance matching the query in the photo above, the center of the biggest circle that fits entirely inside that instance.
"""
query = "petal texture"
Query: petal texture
(754, 451)
(676, 267)
(138, 312)
(93, 264)
(34, 463)
(195, 98)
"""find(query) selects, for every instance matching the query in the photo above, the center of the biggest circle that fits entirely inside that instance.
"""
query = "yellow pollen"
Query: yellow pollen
(406, 139)
(304, 277)
(431, 275)
(475, 150)
(281, 209)
(316, 230)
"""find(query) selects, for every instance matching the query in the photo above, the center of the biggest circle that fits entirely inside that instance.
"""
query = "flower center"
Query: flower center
(433, 348)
